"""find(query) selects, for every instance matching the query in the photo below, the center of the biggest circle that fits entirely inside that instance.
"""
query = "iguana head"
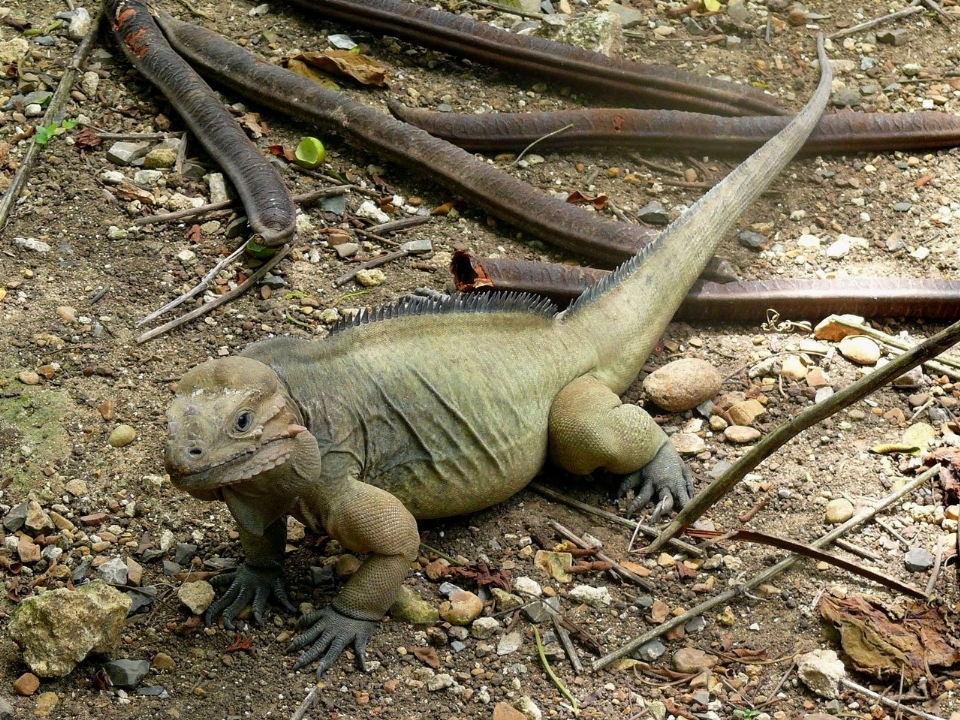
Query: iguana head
(229, 421)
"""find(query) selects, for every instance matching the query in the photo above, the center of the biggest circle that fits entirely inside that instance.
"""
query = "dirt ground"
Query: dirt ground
(94, 376)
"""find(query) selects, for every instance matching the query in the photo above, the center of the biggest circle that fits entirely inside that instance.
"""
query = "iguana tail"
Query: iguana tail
(624, 316)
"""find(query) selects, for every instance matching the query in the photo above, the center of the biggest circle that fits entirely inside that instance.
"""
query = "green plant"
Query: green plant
(44, 133)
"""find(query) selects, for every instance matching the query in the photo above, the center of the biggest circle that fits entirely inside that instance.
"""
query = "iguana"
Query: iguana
(430, 408)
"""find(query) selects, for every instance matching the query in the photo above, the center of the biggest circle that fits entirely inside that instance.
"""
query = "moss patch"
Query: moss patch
(32, 435)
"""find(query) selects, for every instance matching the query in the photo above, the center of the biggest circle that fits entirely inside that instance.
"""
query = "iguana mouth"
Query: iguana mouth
(245, 466)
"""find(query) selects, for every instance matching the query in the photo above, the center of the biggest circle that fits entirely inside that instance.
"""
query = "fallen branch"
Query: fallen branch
(302, 199)
(219, 300)
(55, 107)
(883, 700)
(547, 492)
(914, 7)
(766, 575)
(707, 497)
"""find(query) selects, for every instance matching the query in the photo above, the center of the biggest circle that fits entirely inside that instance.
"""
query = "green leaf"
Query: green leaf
(43, 134)
(258, 251)
(711, 5)
(68, 124)
(310, 153)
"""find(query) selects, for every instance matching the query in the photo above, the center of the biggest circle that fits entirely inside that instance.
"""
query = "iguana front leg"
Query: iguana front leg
(591, 428)
(364, 519)
(257, 579)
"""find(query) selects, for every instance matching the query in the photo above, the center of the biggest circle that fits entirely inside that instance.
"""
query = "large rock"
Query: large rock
(683, 384)
(58, 629)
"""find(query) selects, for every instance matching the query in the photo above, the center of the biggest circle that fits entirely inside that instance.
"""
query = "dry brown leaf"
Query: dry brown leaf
(343, 63)
(128, 191)
(427, 655)
(311, 72)
(884, 647)
(578, 198)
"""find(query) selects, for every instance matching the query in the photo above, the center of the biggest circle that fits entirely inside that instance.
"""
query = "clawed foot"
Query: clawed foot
(666, 476)
(329, 633)
(243, 586)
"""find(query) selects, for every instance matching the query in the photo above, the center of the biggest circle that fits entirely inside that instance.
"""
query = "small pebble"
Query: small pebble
(27, 684)
(860, 349)
(838, 511)
(121, 436)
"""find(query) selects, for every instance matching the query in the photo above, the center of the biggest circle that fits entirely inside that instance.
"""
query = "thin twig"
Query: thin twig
(181, 154)
(528, 148)
(659, 167)
(645, 529)
(600, 555)
(379, 238)
(401, 224)
(883, 700)
(302, 199)
(564, 637)
(196, 289)
(59, 97)
(376, 262)
(857, 550)
(307, 703)
(219, 300)
(766, 575)
(506, 9)
(937, 564)
(913, 8)
(900, 538)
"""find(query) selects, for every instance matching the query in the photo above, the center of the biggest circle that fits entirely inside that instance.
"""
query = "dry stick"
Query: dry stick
(937, 563)
(376, 262)
(138, 136)
(56, 104)
(862, 552)
(528, 148)
(198, 288)
(707, 497)
(564, 637)
(600, 555)
(766, 575)
(219, 300)
(645, 529)
(851, 685)
(910, 10)
(307, 703)
(302, 199)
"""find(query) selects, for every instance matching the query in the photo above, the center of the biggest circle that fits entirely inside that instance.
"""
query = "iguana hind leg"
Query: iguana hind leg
(591, 428)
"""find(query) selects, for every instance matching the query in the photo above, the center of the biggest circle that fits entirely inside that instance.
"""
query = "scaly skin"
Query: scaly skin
(433, 408)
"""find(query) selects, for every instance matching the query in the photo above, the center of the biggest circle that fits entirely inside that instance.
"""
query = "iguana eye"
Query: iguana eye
(244, 421)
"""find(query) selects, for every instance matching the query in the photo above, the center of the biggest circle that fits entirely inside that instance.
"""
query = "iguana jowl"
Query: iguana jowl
(433, 408)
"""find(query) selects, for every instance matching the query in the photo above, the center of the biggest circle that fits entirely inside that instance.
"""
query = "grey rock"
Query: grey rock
(184, 553)
(345, 250)
(59, 628)
(846, 97)
(147, 178)
(902, 207)
(170, 568)
(440, 681)
(141, 597)
(157, 691)
(218, 188)
(124, 153)
(752, 240)
(15, 519)
(448, 588)
(696, 625)
(219, 564)
(893, 37)
(274, 282)
(509, 643)
(457, 646)
(415, 247)
(341, 42)
(30, 243)
(538, 612)
(126, 673)
(918, 559)
(114, 571)
(654, 213)
(80, 25)
(629, 17)
(650, 651)
(598, 32)
(6, 709)
(82, 571)
(336, 204)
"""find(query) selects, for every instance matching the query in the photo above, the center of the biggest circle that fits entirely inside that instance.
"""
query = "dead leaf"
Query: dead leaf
(444, 209)
(251, 121)
(344, 63)
(885, 647)
(282, 151)
(481, 573)
(427, 655)
(128, 191)
(599, 202)
(241, 644)
(311, 73)
(87, 138)
(949, 459)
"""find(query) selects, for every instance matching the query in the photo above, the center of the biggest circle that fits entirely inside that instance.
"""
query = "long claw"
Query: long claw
(329, 633)
(667, 477)
(248, 583)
